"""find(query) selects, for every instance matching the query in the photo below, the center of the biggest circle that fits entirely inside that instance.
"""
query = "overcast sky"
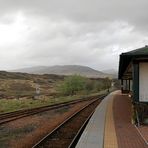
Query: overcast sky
(64, 32)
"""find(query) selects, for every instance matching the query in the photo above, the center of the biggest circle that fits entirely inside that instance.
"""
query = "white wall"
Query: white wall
(143, 82)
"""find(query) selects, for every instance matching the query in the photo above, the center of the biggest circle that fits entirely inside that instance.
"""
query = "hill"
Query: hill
(113, 72)
(65, 70)
(18, 85)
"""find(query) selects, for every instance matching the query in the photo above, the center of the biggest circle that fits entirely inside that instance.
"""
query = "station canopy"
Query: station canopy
(125, 69)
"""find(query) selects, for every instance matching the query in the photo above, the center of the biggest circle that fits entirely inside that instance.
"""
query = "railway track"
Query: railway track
(11, 116)
(67, 134)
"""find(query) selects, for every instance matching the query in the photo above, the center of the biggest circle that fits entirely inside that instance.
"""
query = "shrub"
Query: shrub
(90, 85)
(72, 84)
(76, 83)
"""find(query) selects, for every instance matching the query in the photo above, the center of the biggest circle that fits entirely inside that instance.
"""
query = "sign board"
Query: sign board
(143, 82)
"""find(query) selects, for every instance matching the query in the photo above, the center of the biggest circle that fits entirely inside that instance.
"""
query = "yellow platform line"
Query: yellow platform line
(110, 138)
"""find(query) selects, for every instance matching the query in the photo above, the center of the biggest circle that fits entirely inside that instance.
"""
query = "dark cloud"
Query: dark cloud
(82, 10)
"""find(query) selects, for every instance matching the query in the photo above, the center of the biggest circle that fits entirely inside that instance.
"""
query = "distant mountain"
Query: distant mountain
(111, 71)
(65, 70)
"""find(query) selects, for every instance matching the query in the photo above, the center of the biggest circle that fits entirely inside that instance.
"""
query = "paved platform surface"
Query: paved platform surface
(93, 135)
(111, 127)
(127, 134)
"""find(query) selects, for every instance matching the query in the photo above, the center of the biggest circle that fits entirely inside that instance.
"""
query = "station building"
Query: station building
(133, 73)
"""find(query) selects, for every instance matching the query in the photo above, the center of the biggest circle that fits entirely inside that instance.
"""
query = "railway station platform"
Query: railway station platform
(111, 126)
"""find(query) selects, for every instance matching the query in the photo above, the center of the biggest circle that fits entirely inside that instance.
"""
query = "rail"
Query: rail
(51, 139)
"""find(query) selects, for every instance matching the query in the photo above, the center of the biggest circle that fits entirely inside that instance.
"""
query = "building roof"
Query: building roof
(128, 57)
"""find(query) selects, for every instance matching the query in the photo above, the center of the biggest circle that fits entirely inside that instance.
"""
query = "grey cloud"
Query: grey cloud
(82, 10)
(85, 32)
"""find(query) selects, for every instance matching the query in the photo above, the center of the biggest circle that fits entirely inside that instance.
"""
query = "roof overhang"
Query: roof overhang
(125, 64)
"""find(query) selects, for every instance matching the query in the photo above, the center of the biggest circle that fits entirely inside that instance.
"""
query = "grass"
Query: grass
(9, 105)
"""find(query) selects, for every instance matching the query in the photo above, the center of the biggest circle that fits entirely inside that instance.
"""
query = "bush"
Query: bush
(72, 84)
(107, 83)
(76, 83)
(90, 85)
(99, 85)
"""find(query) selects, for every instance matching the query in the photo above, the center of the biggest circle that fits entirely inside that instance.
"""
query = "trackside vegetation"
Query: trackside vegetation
(9, 105)
(65, 89)
(76, 84)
